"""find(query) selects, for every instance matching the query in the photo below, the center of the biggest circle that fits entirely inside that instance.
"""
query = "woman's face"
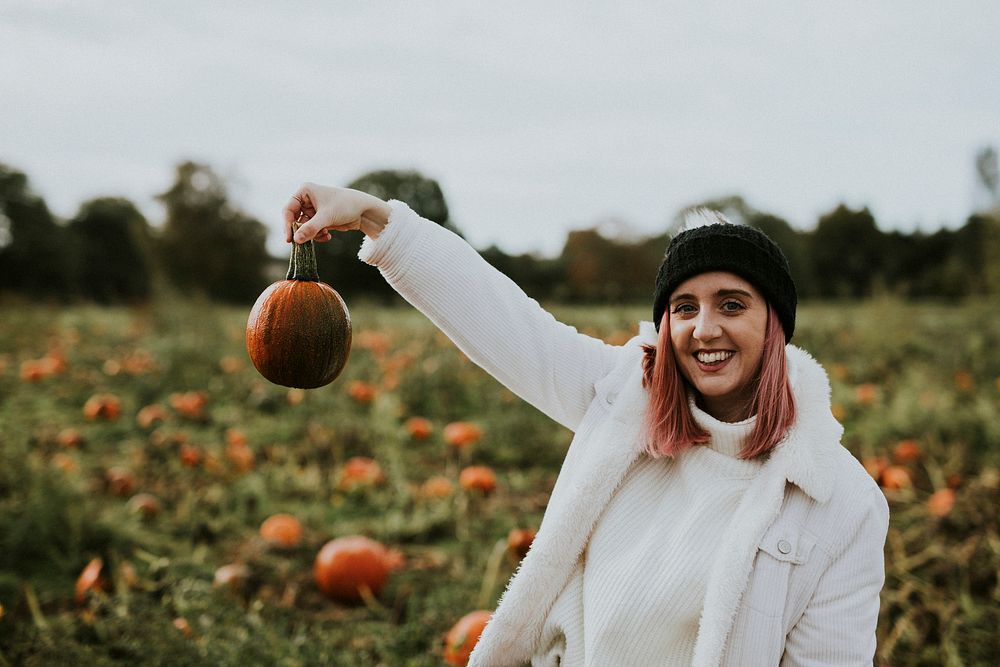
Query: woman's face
(717, 323)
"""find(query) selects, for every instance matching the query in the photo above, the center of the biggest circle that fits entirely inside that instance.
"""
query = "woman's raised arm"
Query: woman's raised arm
(549, 364)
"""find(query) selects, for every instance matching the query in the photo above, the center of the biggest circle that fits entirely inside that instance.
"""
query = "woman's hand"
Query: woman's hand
(321, 210)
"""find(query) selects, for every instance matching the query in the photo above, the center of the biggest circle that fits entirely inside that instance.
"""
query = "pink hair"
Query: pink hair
(669, 422)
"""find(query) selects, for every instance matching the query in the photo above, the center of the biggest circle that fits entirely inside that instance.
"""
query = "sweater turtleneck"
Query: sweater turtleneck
(725, 437)
(638, 590)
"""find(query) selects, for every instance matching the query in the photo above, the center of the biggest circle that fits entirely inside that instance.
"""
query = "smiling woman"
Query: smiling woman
(706, 512)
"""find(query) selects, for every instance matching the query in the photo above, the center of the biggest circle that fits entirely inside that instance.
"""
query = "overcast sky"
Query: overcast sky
(535, 117)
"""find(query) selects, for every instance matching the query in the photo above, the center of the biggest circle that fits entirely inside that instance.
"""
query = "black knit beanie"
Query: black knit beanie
(724, 246)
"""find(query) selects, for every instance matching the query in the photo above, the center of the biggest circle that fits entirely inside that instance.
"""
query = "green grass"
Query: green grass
(933, 368)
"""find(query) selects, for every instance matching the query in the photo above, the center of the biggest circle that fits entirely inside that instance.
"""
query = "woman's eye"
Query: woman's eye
(733, 306)
(683, 308)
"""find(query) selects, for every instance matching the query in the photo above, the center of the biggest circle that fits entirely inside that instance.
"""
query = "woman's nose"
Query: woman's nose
(706, 327)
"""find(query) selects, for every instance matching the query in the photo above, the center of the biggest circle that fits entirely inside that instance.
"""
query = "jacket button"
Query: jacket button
(784, 546)
(610, 398)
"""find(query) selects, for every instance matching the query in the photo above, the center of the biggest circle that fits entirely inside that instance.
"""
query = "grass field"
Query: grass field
(917, 387)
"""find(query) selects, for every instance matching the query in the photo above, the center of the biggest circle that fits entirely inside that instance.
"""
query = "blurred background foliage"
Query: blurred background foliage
(108, 252)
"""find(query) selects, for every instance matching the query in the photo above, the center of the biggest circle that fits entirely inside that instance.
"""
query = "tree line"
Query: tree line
(108, 252)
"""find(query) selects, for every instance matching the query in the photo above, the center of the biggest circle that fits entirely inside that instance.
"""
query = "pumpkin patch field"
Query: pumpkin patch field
(162, 503)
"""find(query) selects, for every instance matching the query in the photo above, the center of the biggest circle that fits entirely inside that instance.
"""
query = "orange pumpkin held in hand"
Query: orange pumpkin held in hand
(463, 636)
(299, 331)
(347, 565)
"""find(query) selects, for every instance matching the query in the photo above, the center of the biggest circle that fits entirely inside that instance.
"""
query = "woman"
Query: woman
(705, 513)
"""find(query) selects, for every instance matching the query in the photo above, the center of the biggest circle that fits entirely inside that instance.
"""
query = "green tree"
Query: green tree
(113, 251)
(540, 278)
(208, 246)
(848, 252)
(602, 269)
(35, 256)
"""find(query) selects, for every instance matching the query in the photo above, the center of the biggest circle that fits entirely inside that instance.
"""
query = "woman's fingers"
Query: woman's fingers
(302, 206)
(318, 211)
(312, 227)
(298, 207)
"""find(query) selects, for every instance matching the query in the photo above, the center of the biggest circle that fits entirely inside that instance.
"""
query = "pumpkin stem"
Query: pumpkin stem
(302, 262)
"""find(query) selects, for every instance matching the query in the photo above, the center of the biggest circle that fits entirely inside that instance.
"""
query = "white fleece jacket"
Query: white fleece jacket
(795, 581)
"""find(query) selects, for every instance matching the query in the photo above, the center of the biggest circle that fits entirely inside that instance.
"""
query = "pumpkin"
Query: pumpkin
(419, 428)
(282, 530)
(299, 331)
(478, 478)
(183, 626)
(69, 438)
(463, 636)
(436, 487)
(102, 406)
(896, 477)
(519, 541)
(906, 451)
(150, 416)
(347, 565)
(941, 502)
(360, 471)
(462, 434)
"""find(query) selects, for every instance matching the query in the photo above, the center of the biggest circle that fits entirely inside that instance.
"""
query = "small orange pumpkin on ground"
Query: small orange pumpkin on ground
(462, 434)
(281, 529)
(299, 330)
(896, 477)
(906, 451)
(240, 456)
(190, 455)
(941, 502)
(478, 478)
(360, 471)
(102, 406)
(151, 415)
(190, 404)
(464, 636)
(865, 393)
(362, 392)
(347, 565)
(69, 438)
(519, 541)
(875, 465)
(436, 487)
(419, 428)
(183, 626)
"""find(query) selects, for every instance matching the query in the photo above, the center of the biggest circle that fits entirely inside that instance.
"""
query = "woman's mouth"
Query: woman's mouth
(713, 361)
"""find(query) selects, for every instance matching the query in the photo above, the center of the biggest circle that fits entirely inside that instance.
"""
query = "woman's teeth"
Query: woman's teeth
(713, 357)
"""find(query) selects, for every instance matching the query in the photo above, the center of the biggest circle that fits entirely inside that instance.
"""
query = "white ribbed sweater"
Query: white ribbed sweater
(637, 591)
